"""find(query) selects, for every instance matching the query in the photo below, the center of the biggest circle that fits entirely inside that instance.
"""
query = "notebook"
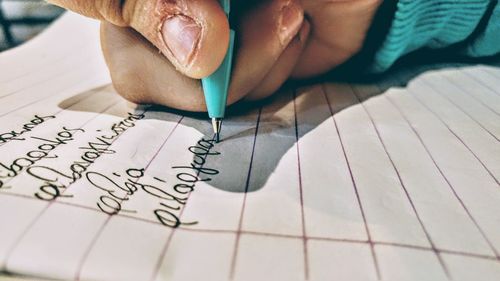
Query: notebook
(393, 180)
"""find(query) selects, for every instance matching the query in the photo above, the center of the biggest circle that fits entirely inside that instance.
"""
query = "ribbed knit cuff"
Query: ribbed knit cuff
(428, 23)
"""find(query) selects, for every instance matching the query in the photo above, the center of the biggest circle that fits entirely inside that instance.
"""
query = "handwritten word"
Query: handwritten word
(168, 213)
(116, 194)
(43, 151)
(16, 134)
(194, 172)
(53, 184)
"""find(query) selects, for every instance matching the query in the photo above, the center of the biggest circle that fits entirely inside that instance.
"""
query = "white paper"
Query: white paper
(325, 182)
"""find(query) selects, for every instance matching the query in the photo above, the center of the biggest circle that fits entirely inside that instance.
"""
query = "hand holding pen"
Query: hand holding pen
(158, 50)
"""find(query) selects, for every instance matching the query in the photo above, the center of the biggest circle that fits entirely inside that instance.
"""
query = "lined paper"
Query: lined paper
(395, 180)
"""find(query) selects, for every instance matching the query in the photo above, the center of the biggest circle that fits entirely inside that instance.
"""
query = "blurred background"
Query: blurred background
(20, 20)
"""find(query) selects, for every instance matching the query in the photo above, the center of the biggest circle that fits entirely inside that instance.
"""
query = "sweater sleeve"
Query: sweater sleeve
(436, 24)
(488, 42)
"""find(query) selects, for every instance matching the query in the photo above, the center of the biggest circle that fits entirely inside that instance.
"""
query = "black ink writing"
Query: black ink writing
(16, 135)
(42, 151)
(55, 181)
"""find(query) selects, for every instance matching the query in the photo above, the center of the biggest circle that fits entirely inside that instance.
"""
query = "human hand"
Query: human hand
(276, 40)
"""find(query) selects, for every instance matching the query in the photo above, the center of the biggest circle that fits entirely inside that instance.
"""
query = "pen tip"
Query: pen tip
(217, 125)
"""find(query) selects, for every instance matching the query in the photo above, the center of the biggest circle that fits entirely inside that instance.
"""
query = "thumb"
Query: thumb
(192, 34)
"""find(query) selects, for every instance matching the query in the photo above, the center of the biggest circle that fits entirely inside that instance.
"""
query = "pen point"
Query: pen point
(217, 125)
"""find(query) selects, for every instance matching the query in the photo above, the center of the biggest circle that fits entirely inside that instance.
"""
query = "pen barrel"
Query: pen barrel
(216, 86)
(226, 5)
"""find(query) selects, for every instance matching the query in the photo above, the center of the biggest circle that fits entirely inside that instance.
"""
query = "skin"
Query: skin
(152, 59)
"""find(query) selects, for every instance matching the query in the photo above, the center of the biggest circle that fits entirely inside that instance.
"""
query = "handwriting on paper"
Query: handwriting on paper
(16, 135)
(115, 188)
(54, 181)
(118, 188)
(196, 171)
(42, 151)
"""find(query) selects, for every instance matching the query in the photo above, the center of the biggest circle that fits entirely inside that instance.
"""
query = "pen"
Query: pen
(216, 86)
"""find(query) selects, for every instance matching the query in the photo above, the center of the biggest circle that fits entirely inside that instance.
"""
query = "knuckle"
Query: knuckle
(117, 12)
(129, 90)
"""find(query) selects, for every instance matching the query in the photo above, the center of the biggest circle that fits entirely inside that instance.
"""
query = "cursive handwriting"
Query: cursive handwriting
(54, 181)
(116, 191)
(196, 171)
(43, 151)
(16, 134)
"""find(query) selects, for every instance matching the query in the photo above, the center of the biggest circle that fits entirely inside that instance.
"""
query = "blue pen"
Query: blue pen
(216, 86)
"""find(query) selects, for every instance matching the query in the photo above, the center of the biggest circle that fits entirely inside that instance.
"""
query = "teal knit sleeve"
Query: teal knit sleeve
(488, 42)
(437, 24)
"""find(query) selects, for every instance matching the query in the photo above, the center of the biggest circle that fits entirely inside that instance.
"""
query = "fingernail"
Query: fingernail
(181, 34)
(291, 18)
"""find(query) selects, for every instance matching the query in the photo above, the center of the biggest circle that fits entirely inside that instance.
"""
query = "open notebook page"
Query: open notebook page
(330, 181)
